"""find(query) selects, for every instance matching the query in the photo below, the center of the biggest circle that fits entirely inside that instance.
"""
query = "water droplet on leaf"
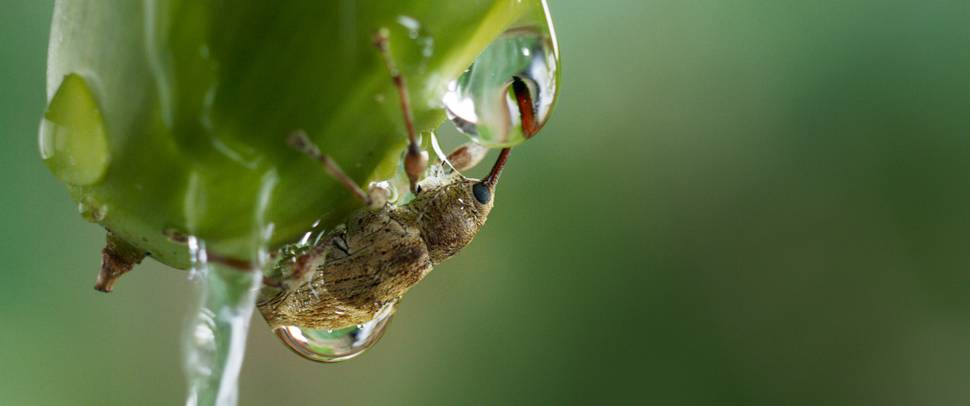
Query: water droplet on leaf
(417, 33)
(481, 103)
(413, 26)
(175, 235)
(73, 142)
(92, 210)
(323, 345)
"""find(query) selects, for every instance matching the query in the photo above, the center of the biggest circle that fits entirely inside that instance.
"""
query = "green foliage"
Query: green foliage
(198, 97)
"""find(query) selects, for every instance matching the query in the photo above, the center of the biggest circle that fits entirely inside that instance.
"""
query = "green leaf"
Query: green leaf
(198, 97)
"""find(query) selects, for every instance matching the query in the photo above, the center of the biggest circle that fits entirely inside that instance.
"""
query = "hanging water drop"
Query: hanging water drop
(482, 102)
(323, 345)
(73, 143)
(92, 210)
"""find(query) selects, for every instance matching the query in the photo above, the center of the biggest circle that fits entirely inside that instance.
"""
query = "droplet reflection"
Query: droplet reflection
(480, 102)
(336, 345)
(73, 142)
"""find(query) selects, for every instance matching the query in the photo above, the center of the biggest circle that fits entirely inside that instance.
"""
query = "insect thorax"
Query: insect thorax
(448, 215)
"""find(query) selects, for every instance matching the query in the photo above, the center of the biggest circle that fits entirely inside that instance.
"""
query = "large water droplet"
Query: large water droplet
(336, 345)
(481, 102)
(73, 142)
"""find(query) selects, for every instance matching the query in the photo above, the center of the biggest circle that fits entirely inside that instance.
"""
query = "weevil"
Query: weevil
(382, 250)
(356, 269)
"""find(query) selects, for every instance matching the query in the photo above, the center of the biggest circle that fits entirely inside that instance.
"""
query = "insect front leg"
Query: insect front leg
(416, 159)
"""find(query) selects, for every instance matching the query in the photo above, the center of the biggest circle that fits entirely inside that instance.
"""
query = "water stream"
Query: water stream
(215, 334)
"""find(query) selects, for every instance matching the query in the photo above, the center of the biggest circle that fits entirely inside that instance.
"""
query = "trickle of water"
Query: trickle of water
(215, 337)
(336, 345)
(481, 102)
(72, 136)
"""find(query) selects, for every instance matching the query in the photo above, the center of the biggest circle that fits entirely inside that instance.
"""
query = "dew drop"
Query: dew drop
(383, 191)
(417, 33)
(329, 346)
(73, 142)
(91, 209)
(412, 25)
(316, 232)
(481, 102)
(175, 235)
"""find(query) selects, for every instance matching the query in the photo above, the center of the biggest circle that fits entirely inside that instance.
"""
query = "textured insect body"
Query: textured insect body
(358, 271)
(369, 262)
(354, 272)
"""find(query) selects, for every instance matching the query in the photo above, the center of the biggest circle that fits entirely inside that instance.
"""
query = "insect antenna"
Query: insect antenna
(493, 175)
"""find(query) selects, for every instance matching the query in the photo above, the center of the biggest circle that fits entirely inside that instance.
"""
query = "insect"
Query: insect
(356, 269)
(382, 250)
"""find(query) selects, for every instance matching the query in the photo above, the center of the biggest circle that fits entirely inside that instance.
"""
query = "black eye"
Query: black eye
(482, 193)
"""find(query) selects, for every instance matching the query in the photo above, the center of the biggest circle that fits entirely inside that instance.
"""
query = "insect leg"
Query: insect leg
(299, 141)
(416, 160)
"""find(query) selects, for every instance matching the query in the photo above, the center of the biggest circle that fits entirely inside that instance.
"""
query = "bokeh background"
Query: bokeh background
(736, 202)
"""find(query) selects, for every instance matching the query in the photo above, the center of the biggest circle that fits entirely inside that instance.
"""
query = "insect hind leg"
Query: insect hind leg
(299, 270)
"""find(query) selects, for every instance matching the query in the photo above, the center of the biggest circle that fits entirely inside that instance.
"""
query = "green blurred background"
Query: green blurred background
(736, 202)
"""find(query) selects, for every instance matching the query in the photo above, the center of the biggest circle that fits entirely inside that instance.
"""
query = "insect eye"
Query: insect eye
(482, 193)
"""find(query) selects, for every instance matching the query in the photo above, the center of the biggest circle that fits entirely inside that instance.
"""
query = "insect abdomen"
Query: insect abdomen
(376, 261)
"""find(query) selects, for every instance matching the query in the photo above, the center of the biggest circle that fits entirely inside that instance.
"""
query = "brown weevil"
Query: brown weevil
(355, 273)
(357, 269)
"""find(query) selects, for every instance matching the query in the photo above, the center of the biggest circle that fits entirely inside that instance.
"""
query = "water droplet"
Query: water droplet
(384, 191)
(323, 345)
(73, 142)
(92, 210)
(417, 33)
(175, 235)
(413, 26)
(481, 103)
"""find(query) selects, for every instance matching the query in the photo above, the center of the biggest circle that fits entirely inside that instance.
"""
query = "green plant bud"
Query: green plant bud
(169, 118)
